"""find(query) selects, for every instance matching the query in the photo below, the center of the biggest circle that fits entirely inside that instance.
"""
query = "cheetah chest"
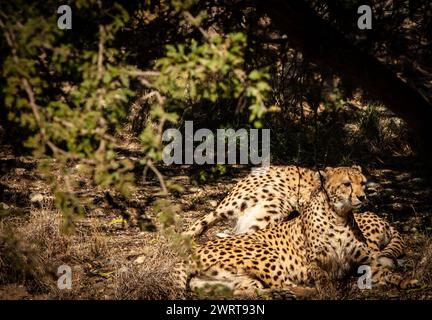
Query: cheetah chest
(337, 253)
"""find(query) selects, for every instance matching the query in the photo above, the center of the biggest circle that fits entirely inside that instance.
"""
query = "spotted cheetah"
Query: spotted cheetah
(267, 197)
(324, 242)
(264, 197)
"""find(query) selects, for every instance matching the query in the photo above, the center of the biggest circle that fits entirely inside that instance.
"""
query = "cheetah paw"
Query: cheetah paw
(409, 284)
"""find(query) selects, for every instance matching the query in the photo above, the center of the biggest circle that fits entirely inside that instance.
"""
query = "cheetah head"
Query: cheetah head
(345, 187)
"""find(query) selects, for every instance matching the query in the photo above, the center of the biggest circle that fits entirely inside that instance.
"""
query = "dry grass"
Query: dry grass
(28, 251)
(422, 267)
(102, 267)
(150, 280)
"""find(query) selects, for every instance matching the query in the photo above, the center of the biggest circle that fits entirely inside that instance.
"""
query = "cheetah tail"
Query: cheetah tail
(183, 272)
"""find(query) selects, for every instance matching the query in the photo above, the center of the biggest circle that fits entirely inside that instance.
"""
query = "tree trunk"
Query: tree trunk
(325, 46)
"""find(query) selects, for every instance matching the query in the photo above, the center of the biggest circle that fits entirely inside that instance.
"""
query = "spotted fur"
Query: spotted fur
(324, 242)
(265, 198)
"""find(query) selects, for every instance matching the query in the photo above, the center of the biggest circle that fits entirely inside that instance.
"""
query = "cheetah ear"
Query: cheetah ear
(320, 176)
(357, 167)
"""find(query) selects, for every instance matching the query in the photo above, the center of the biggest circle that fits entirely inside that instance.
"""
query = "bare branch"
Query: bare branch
(158, 175)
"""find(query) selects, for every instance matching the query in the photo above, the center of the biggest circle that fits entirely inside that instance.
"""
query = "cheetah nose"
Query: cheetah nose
(361, 198)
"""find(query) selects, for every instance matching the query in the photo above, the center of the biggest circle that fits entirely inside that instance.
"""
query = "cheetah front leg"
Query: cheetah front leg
(393, 249)
(316, 275)
(381, 274)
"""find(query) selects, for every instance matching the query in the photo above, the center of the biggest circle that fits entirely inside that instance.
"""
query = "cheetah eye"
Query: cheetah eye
(347, 184)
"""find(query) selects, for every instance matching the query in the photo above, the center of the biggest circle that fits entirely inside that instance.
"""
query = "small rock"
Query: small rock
(213, 203)
(36, 197)
(139, 260)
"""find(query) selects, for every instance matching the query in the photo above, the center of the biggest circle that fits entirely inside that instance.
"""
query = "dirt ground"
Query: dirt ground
(113, 259)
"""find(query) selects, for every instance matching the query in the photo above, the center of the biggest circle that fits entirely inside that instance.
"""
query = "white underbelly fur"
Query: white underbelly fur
(248, 219)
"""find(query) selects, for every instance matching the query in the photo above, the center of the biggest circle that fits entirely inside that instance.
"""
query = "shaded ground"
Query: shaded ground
(111, 259)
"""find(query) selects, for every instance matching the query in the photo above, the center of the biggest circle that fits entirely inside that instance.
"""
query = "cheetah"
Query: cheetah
(323, 243)
(264, 197)
(268, 197)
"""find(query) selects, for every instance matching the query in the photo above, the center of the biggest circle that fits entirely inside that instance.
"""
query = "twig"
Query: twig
(143, 73)
(158, 175)
(100, 52)
(188, 16)
(159, 97)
